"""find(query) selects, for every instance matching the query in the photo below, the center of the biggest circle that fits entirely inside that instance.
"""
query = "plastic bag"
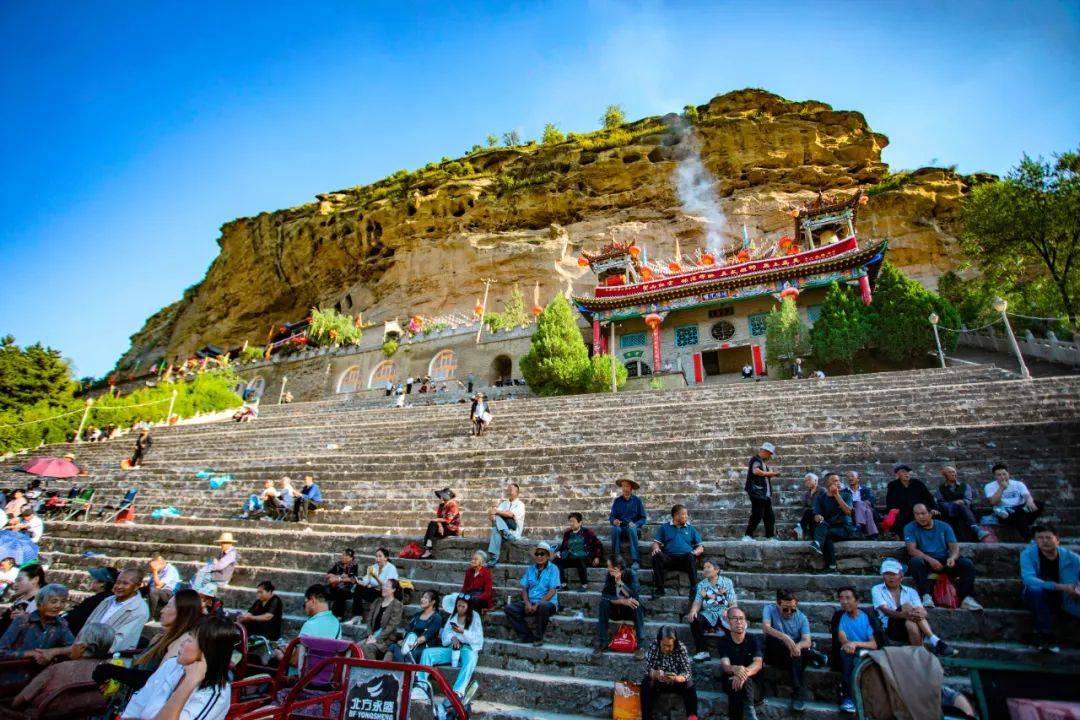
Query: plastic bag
(627, 702)
(945, 593)
(890, 520)
(625, 641)
(411, 551)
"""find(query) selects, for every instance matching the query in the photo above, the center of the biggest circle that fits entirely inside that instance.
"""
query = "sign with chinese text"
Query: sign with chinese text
(373, 694)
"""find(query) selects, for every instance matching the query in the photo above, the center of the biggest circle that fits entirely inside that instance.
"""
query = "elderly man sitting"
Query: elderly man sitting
(41, 631)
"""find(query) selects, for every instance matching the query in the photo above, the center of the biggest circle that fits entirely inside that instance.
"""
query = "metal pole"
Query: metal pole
(611, 356)
(934, 320)
(168, 415)
(483, 308)
(1001, 306)
(281, 393)
(82, 423)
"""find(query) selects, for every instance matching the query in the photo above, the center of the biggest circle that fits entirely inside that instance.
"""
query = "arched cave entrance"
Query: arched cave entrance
(502, 367)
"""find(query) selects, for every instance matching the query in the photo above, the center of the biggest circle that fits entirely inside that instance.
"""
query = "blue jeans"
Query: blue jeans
(847, 668)
(631, 534)
(610, 611)
(1044, 604)
(500, 531)
(442, 656)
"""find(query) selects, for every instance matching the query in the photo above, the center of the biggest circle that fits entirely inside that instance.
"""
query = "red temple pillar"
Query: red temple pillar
(656, 348)
(864, 287)
(595, 335)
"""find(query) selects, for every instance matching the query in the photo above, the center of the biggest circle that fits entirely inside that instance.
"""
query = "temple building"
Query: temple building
(705, 316)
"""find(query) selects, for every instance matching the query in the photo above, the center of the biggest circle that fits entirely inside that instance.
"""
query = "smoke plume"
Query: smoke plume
(694, 184)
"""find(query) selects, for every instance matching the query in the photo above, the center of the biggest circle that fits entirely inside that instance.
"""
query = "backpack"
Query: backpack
(625, 641)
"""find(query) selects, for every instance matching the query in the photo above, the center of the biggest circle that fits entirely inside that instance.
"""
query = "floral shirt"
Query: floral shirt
(677, 662)
(450, 512)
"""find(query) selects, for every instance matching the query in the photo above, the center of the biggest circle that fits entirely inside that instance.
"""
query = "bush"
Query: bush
(558, 358)
(208, 392)
(598, 376)
(613, 117)
(842, 330)
(552, 135)
(607, 140)
(785, 338)
(900, 328)
(330, 328)
(690, 112)
(389, 347)
(250, 354)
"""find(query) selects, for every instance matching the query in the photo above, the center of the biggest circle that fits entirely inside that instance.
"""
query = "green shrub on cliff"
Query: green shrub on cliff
(552, 135)
(330, 328)
(613, 117)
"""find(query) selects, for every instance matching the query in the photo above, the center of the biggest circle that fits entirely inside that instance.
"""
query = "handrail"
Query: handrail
(291, 704)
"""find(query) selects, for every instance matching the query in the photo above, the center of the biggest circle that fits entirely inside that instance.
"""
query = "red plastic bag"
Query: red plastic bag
(945, 593)
(889, 520)
(411, 551)
(125, 515)
(625, 641)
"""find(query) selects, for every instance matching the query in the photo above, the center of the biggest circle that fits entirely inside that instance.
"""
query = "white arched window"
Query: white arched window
(351, 380)
(383, 371)
(443, 366)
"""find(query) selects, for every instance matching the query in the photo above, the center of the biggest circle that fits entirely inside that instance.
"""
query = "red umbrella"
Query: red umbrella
(52, 467)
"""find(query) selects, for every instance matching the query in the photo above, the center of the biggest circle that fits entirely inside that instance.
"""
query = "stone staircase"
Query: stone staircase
(688, 446)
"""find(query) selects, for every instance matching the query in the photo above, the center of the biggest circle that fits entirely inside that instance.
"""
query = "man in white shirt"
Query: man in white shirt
(507, 522)
(1012, 502)
(30, 523)
(160, 583)
(902, 613)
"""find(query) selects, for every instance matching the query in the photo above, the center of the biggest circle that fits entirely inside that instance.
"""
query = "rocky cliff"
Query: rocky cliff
(422, 242)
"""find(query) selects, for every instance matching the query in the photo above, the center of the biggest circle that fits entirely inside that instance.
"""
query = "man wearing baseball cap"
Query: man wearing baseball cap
(759, 488)
(539, 596)
(901, 612)
(903, 494)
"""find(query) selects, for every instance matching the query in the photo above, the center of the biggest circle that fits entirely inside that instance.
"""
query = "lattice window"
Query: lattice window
(686, 336)
(723, 330)
(383, 371)
(813, 313)
(443, 365)
(630, 340)
(757, 324)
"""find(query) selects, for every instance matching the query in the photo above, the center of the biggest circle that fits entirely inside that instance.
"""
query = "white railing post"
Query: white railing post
(82, 422)
(172, 402)
(1001, 305)
(281, 393)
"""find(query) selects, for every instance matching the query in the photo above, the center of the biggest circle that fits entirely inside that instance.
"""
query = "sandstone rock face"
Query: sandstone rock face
(423, 242)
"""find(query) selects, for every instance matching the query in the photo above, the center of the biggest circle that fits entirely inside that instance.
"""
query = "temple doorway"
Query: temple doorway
(502, 368)
(637, 368)
(725, 361)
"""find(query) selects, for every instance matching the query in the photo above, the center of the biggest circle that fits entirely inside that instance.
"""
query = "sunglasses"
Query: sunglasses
(539, 553)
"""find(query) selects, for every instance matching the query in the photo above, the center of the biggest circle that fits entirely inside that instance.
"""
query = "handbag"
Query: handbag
(945, 592)
(627, 702)
(625, 641)
(411, 551)
(890, 520)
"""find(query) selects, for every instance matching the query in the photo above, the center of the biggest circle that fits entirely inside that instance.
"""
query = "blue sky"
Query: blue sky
(130, 132)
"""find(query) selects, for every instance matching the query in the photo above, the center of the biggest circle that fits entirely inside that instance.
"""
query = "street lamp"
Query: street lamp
(1001, 305)
(934, 320)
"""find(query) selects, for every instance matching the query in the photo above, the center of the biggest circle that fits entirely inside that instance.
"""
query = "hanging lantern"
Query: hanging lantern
(794, 213)
(793, 250)
(653, 320)
(478, 309)
(743, 255)
(634, 251)
(674, 267)
(786, 242)
(583, 261)
(790, 292)
(708, 259)
(646, 274)
(863, 199)
(537, 310)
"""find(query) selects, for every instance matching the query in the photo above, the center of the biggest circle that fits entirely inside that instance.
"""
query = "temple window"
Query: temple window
(443, 365)
(686, 336)
(756, 324)
(383, 372)
(637, 368)
(632, 340)
(351, 380)
(813, 313)
(723, 330)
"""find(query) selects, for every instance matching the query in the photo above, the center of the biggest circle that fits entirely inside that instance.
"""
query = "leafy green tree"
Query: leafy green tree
(690, 112)
(1028, 224)
(598, 376)
(558, 358)
(899, 315)
(613, 117)
(492, 140)
(842, 330)
(784, 338)
(552, 135)
(31, 374)
(512, 138)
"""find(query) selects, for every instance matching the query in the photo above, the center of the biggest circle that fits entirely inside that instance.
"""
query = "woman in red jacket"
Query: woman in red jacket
(477, 583)
(447, 521)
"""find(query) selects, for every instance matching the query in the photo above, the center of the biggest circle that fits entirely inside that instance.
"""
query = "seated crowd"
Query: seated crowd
(184, 670)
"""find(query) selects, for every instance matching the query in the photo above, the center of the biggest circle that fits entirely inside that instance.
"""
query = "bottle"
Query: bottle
(455, 658)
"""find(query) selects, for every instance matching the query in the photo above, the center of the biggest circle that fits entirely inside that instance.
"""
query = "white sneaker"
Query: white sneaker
(927, 601)
(701, 656)
(747, 538)
(971, 603)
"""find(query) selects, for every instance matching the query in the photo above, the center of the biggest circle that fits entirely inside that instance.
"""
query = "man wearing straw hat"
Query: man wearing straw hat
(627, 516)
(221, 570)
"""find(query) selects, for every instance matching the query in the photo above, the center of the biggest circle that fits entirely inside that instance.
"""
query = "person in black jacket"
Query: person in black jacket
(341, 580)
(142, 446)
(903, 494)
(759, 488)
(102, 585)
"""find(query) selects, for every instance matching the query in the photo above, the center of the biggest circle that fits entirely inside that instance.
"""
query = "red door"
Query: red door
(759, 362)
(699, 372)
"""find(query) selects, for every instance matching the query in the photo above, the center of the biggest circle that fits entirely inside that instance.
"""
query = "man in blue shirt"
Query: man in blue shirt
(676, 546)
(933, 548)
(309, 500)
(626, 517)
(853, 632)
(539, 596)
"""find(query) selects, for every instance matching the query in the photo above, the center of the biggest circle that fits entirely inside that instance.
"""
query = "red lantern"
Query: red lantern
(674, 267)
(743, 255)
(708, 259)
(863, 199)
(537, 310)
(790, 292)
(793, 213)
(582, 261)
(653, 320)
(646, 274)
(786, 242)
(634, 251)
(793, 250)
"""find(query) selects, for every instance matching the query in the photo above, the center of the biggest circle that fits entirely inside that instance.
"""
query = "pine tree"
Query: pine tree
(552, 135)
(558, 359)
(514, 314)
(598, 378)
(29, 375)
(842, 330)
(901, 330)
(784, 338)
